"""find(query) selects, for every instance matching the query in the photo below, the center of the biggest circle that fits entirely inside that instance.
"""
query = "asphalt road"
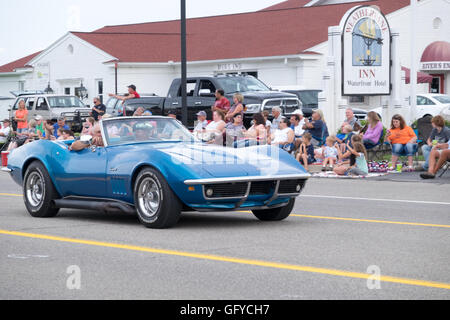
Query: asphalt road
(340, 233)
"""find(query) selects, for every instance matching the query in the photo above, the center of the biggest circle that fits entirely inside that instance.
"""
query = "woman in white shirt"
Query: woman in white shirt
(284, 136)
(216, 128)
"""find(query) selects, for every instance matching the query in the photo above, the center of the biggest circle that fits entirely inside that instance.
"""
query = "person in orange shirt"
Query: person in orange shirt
(403, 140)
(21, 117)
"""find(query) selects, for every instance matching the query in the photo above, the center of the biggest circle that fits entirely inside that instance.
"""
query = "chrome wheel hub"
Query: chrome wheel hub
(34, 189)
(149, 197)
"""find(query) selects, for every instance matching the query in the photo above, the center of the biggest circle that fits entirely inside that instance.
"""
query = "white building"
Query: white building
(283, 45)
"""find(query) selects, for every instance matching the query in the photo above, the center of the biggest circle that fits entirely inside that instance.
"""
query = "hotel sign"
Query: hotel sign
(366, 52)
(436, 66)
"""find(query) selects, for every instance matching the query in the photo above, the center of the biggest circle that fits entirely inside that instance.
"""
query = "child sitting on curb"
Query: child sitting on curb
(305, 154)
(330, 154)
(358, 163)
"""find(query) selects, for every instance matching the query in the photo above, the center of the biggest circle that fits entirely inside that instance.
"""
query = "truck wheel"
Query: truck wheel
(156, 204)
(276, 214)
(39, 192)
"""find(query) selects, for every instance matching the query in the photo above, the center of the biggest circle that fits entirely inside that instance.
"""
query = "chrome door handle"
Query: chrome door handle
(198, 103)
(174, 103)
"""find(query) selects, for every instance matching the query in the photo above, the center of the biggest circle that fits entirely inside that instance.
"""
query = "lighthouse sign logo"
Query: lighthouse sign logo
(367, 43)
(366, 54)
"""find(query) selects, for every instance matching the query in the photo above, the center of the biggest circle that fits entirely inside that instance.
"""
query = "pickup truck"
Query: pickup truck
(53, 106)
(201, 96)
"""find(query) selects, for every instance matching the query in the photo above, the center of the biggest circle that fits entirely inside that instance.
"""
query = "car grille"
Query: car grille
(262, 188)
(290, 186)
(227, 190)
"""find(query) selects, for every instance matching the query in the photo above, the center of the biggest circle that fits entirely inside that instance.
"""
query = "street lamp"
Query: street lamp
(48, 90)
(82, 91)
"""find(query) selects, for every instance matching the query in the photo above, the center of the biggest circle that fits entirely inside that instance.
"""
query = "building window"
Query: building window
(67, 91)
(70, 48)
(437, 23)
(357, 99)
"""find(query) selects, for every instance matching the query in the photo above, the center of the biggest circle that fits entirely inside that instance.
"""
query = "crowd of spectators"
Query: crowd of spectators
(308, 140)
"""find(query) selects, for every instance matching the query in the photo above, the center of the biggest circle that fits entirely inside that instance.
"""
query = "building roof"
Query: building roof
(438, 51)
(21, 63)
(288, 28)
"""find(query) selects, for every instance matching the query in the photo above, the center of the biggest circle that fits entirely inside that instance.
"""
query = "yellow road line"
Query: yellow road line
(373, 221)
(11, 195)
(366, 220)
(259, 263)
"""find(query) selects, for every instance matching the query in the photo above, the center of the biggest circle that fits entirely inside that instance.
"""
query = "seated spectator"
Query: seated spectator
(317, 128)
(234, 130)
(139, 112)
(40, 126)
(372, 135)
(403, 140)
(173, 114)
(256, 135)
(350, 119)
(297, 123)
(344, 156)
(147, 113)
(48, 128)
(347, 137)
(441, 152)
(284, 136)
(60, 124)
(201, 122)
(236, 108)
(268, 124)
(358, 162)
(5, 131)
(305, 154)
(440, 134)
(222, 103)
(215, 128)
(276, 114)
(330, 154)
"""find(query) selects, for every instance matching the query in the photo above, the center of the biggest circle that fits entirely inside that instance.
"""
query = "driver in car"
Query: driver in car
(97, 140)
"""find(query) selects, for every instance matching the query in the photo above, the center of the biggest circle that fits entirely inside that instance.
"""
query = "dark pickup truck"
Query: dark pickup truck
(201, 96)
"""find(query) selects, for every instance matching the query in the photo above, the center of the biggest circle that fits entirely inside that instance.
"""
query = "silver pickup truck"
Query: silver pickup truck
(53, 106)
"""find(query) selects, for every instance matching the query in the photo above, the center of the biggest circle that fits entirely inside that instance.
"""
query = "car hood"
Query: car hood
(263, 95)
(220, 162)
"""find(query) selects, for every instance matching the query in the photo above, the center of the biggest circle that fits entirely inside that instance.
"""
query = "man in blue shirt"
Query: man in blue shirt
(60, 124)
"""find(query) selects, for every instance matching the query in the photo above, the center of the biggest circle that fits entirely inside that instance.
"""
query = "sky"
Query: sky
(28, 26)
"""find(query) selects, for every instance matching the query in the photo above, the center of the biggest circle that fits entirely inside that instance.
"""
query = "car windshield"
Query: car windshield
(145, 129)
(308, 98)
(65, 102)
(442, 99)
(241, 84)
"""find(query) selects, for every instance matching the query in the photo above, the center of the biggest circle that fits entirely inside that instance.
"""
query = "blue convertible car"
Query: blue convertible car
(155, 167)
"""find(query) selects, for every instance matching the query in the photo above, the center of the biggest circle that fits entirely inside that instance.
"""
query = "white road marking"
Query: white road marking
(376, 199)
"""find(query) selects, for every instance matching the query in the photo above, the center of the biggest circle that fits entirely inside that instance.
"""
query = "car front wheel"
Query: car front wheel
(156, 204)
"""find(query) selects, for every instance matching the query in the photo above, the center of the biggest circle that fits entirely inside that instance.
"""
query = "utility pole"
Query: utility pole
(413, 75)
(184, 114)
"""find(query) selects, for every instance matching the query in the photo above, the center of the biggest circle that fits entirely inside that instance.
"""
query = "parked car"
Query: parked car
(154, 166)
(53, 106)
(310, 101)
(201, 96)
(429, 104)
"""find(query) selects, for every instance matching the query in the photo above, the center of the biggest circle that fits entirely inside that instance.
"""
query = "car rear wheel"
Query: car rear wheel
(156, 204)
(39, 192)
(276, 214)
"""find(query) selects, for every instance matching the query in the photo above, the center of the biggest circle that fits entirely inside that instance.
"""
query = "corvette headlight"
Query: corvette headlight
(253, 108)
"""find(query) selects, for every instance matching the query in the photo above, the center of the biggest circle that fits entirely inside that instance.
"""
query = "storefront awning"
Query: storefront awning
(421, 77)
